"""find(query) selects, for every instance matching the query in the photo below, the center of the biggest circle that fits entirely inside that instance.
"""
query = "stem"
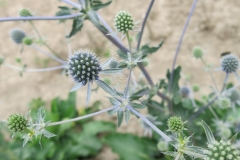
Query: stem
(48, 54)
(213, 80)
(213, 112)
(80, 118)
(39, 18)
(130, 59)
(180, 42)
(35, 70)
(150, 124)
(35, 29)
(68, 41)
(144, 23)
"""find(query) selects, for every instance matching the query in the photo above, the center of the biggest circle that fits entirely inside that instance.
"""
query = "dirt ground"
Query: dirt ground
(214, 26)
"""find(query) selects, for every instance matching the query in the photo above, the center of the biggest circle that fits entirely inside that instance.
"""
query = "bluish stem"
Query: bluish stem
(151, 125)
(179, 44)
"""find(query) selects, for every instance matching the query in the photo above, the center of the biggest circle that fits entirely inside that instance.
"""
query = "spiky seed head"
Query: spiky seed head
(27, 41)
(17, 123)
(184, 91)
(196, 88)
(234, 95)
(222, 150)
(229, 63)
(1, 60)
(113, 64)
(123, 22)
(84, 67)
(175, 124)
(198, 52)
(224, 102)
(17, 35)
(25, 13)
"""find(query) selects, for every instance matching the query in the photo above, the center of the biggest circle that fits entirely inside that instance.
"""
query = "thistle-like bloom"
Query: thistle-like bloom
(234, 97)
(17, 35)
(17, 123)
(147, 128)
(25, 13)
(184, 91)
(224, 102)
(84, 67)
(198, 53)
(175, 124)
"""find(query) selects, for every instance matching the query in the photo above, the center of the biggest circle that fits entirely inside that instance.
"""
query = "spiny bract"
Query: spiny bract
(123, 22)
(175, 124)
(84, 67)
(25, 13)
(222, 150)
(17, 35)
(17, 123)
(230, 63)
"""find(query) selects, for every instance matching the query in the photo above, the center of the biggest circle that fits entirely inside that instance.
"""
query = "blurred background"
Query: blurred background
(214, 27)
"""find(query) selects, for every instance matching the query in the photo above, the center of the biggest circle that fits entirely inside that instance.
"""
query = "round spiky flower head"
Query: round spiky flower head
(17, 35)
(25, 13)
(27, 41)
(175, 124)
(197, 52)
(184, 91)
(123, 22)
(113, 64)
(17, 122)
(222, 150)
(224, 102)
(84, 67)
(229, 63)
(234, 95)
(195, 87)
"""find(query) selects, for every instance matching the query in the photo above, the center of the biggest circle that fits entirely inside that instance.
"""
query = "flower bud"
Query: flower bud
(27, 41)
(123, 22)
(234, 95)
(17, 35)
(230, 63)
(224, 102)
(175, 124)
(17, 123)
(184, 91)
(25, 13)
(196, 88)
(197, 52)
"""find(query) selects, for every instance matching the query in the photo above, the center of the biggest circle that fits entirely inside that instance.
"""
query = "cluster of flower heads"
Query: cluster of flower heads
(84, 67)
(123, 22)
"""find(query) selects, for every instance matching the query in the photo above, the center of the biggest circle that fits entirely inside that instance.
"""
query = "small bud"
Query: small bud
(27, 41)
(197, 52)
(184, 91)
(196, 88)
(162, 146)
(1, 60)
(224, 102)
(17, 123)
(25, 13)
(234, 95)
(123, 22)
(229, 63)
(175, 124)
(17, 35)
(113, 64)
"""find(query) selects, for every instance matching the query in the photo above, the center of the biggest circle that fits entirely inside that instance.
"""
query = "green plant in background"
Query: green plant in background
(177, 111)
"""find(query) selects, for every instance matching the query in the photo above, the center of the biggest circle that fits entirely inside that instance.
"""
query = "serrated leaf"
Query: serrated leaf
(145, 50)
(138, 106)
(63, 11)
(92, 16)
(95, 127)
(139, 94)
(76, 87)
(122, 65)
(88, 94)
(76, 26)
(106, 88)
(194, 151)
(122, 54)
(111, 71)
(127, 115)
(208, 132)
(119, 117)
(107, 62)
(97, 4)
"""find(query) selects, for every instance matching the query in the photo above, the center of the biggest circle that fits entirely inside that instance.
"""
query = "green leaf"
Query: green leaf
(119, 117)
(130, 147)
(95, 127)
(76, 26)
(139, 94)
(176, 78)
(106, 88)
(122, 64)
(193, 151)
(146, 50)
(138, 106)
(122, 54)
(111, 71)
(63, 11)
(97, 4)
(92, 16)
(208, 132)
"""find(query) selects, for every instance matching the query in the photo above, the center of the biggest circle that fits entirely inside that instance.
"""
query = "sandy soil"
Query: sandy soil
(214, 26)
